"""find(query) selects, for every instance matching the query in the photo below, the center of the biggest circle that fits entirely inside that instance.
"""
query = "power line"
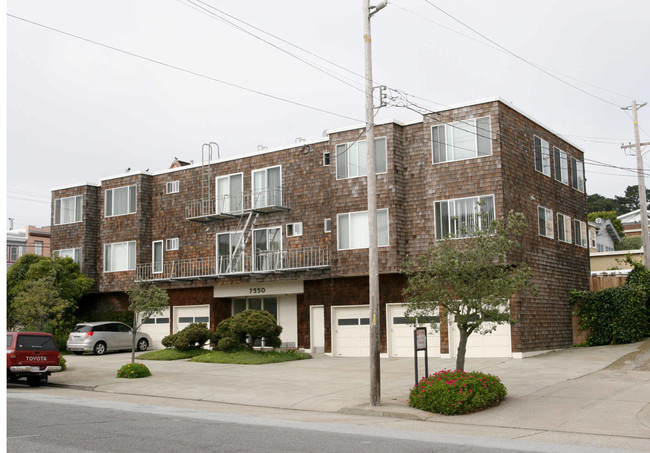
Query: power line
(187, 71)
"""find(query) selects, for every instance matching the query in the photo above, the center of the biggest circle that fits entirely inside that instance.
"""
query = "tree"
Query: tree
(471, 279)
(146, 300)
(597, 202)
(40, 286)
(247, 328)
(608, 215)
(631, 202)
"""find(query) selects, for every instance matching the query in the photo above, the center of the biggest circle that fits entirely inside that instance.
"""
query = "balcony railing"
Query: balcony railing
(243, 264)
(267, 200)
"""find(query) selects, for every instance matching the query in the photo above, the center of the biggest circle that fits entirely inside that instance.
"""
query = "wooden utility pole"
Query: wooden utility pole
(641, 179)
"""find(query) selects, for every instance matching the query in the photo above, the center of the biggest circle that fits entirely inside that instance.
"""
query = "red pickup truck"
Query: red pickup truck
(33, 355)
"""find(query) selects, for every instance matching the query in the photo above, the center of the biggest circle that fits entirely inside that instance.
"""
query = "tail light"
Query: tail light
(89, 334)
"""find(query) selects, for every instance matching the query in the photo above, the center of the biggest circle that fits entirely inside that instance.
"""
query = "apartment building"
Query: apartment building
(285, 230)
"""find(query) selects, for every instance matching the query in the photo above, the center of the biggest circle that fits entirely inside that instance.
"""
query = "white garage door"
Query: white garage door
(400, 334)
(157, 327)
(184, 316)
(495, 344)
(351, 327)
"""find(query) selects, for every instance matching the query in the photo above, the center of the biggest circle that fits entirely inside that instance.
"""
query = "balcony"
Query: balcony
(263, 262)
(268, 200)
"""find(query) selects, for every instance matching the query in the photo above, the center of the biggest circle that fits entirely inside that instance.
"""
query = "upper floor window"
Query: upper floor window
(267, 245)
(461, 217)
(460, 140)
(74, 253)
(326, 158)
(157, 257)
(120, 201)
(230, 189)
(561, 166)
(542, 156)
(171, 244)
(230, 254)
(581, 233)
(327, 225)
(564, 228)
(38, 248)
(15, 252)
(352, 158)
(577, 175)
(267, 187)
(68, 210)
(353, 230)
(294, 229)
(173, 186)
(119, 256)
(592, 238)
(545, 220)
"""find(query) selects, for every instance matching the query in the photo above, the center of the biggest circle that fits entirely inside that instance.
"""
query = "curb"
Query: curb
(403, 413)
(90, 388)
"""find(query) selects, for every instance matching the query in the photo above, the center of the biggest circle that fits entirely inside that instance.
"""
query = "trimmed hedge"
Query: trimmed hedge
(133, 371)
(193, 336)
(247, 328)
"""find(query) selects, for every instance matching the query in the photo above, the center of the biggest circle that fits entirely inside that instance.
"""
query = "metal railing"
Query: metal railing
(264, 261)
(269, 199)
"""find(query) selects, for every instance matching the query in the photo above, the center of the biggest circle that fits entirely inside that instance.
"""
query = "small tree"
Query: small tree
(146, 299)
(469, 278)
(246, 328)
(39, 305)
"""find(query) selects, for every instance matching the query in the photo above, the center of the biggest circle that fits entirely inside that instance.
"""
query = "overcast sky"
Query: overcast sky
(79, 111)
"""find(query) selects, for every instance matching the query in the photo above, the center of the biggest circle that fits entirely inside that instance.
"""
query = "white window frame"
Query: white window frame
(561, 164)
(581, 233)
(564, 228)
(131, 256)
(157, 266)
(577, 175)
(294, 229)
(269, 262)
(77, 210)
(592, 238)
(109, 195)
(326, 159)
(544, 156)
(232, 245)
(38, 248)
(171, 244)
(452, 223)
(74, 253)
(548, 220)
(15, 252)
(344, 150)
(173, 186)
(470, 126)
(233, 205)
(260, 201)
(362, 235)
(327, 225)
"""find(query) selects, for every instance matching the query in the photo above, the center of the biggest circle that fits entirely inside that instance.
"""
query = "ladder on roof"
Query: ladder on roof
(241, 242)
(206, 183)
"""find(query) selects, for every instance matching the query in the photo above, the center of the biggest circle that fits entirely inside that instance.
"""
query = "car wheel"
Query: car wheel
(100, 348)
(143, 344)
(78, 352)
(34, 381)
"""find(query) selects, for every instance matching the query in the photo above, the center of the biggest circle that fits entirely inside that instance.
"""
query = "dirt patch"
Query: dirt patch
(638, 360)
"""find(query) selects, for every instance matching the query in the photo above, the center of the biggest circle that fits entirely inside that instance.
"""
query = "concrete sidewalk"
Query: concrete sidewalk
(565, 391)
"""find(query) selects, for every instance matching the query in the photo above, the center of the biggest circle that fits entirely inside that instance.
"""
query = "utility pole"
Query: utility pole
(639, 168)
(373, 254)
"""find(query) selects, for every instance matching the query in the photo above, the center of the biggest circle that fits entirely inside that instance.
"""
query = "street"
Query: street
(37, 422)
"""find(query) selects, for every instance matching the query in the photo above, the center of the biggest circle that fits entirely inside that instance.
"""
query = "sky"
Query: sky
(117, 84)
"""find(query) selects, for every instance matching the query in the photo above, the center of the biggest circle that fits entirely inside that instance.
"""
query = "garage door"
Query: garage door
(184, 316)
(400, 334)
(351, 331)
(157, 327)
(495, 344)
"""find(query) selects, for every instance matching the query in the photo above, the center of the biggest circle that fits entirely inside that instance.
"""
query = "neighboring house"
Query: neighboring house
(602, 236)
(285, 230)
(30, 239)
(632, 222)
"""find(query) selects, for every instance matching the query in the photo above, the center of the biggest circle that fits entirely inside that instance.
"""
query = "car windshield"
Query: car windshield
(82, 328)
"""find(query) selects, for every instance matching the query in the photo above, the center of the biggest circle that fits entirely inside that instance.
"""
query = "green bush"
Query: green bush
(457, 392)
(62, 363)
(193, 336)
(168, 341)
(133, 371)
(629, 243)
(246, 329)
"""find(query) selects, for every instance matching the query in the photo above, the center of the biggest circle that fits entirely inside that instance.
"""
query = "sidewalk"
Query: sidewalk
(565, 391)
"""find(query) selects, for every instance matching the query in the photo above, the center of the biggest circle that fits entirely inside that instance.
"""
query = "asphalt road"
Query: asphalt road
(38, 422)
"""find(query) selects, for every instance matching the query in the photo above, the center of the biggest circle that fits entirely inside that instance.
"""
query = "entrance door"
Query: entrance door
(317, 329)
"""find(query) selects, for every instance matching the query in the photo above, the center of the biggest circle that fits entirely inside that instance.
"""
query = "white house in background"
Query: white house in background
(602, 236)
(632, 222)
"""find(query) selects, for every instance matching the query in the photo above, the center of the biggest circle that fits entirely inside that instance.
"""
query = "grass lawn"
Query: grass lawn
(246, 357)
(172, 354)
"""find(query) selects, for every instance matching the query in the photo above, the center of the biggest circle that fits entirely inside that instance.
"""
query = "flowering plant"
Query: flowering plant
(133, 371)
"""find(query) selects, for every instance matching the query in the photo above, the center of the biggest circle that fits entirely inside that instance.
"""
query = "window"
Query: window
(561, 166)
(157, 257)
(119, 256)
(38, 248)
(352, 158)
(227, 261)
(564, 228)
(173, 187)
(353, 229)
(460, 140)
(294, 229)
(461, 217)
(542, 156)
(15, 252)
(120, 201)
(267, 247)
(267, 187)
(75, 254)
(327, 225)
(326, 158)
(581, 233)
(230, 189)
(545, 217)
(68, 210)
(592, 238)
(577, 175)
(171, 244)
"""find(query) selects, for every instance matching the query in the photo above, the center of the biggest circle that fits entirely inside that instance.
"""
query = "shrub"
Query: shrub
(133, 371)
(247, 328)
(457, 392)
(168, 341)
(193, 336)
(62, 363)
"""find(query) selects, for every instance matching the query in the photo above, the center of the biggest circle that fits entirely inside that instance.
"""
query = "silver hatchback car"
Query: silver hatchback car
(100, 337)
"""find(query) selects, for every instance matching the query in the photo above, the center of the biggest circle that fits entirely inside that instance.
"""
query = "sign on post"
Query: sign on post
(420, 344)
